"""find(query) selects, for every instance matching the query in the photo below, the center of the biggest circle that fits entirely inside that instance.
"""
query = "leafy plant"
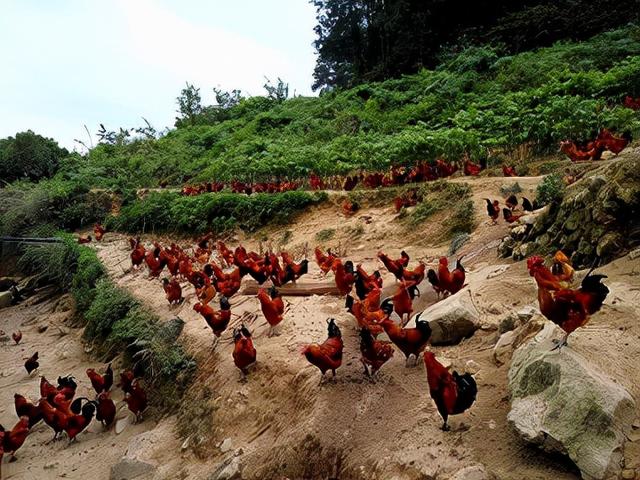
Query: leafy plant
(550, 190)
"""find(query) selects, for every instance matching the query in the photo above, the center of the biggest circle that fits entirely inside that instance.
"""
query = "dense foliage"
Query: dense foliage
(364, 40)
(478, 101)
(114, 320)
(29, 156)
(217, 212)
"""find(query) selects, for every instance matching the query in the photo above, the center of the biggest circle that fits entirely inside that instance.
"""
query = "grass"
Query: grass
(326, 234)
(510, 189)
(114, 321)
(550, 190)
(437, 197)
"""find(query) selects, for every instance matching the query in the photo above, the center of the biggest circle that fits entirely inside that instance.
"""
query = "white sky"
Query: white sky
(66, 63)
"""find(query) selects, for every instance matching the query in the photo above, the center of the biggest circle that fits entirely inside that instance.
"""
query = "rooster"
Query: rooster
(416, 276)
(571, 309)
(105, 409)
(611, 142)
(403, 300)
(345, 277)
(84, 239)
(53, 417)
(493, 210)
(80, 418)
(364, 317)
(375, 353)
(244, 353)
(101, 383)
(154, 262)
(138, 252)
(32, 363)
(13, 440)
(349, 207)
(292, 269)
(324, 261)
(328, 355)
(395, 267)
(26, 408)
(272, 308)
(453, 393)
(365, 283)
(632, 103)
(218, 321)
(447, 282)
(99, 231)
(410, 341)
(471, 169)
(136, 400)
(576, 154)
(509, 216)
(173, 291)
(543, 276)
(17, 336)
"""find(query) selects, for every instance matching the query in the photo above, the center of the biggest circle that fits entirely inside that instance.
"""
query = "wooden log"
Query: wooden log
(300, 289)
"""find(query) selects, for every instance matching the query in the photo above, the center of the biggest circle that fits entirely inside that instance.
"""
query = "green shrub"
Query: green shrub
(550, 190)
(463, 219)
(55, 263)
(88, 271)
(110, 305)
(325, 234)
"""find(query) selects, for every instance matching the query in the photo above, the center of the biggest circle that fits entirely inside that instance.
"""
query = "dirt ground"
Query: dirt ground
(281, 423)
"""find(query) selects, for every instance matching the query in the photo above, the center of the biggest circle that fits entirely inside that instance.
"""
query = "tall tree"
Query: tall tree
(29, 156)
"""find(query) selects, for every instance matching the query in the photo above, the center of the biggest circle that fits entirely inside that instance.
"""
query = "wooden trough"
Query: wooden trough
(300, 289)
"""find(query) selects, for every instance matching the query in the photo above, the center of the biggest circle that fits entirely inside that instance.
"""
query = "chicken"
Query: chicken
(452, 393)
(32, 363)
(632, 103)
(54, 417)
(571, 309)
(543, 276)
(328, 355)
(173, 291)
(349, 207)
(99, 231)
(471, 169)
(410, 341)
(325, 262)
(395, 266)
(416, 276)
(366, 317)
(138, 252)
(26, 408)
(511, 202)
(206, 293)
(136, 399)
(225, 253)
(154, 262)
(292, 269)
(101, 383)
(13, 440)
(105, 409)
(493, 210)
(403, 300)
(445, 281)
(509, 171)
(217, 320)
(81, 417)
(244, 353)
(17, 336)
(365, 283)
(509, 216)
(272, 308)
(561, 267)
(127, 377)
(83, 239)
(375, 353)
(611, 142)
(345, 277)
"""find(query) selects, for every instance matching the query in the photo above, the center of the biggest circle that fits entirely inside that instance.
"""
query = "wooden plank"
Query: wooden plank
(300, 289)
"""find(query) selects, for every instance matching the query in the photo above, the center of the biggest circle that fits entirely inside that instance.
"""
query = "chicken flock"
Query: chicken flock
(215, 272)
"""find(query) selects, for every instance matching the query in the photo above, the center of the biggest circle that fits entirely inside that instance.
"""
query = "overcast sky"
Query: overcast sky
(66, 63)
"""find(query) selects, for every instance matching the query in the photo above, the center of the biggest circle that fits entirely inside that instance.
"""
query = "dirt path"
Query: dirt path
(61, 352)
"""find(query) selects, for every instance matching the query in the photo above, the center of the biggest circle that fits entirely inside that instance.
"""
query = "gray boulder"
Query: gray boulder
(452, 319)
(564, 404)
(130, 468)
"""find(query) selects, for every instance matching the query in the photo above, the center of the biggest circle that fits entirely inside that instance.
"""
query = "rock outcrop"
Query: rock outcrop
(452, 319)
(564, 404)
(597, 217)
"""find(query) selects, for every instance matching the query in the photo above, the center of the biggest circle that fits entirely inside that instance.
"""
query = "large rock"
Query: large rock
(452, 319)
(5, 299)
(564, 404)
(230, 469)
(133, 465)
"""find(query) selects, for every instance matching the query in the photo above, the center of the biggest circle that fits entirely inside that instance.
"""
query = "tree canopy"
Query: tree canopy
(29, 156)
(364, 40)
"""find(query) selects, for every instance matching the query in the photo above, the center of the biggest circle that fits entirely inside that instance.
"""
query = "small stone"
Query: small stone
(526, 313)
(50, 465)
(633, 254)
(474, 472)
(238, 452)
(628, 474)
(42, 328)
(472, 367)
(226, 445)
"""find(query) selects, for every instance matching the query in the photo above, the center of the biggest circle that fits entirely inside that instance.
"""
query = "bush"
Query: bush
(110, 305)
(56, 263)
(550, 190)
(29, 156)
(463, 219)
(89, 270)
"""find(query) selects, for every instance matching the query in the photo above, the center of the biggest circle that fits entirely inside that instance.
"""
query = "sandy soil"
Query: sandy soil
(280, 421)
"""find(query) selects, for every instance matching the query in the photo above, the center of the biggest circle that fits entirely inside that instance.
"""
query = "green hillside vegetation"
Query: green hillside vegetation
(479, 101)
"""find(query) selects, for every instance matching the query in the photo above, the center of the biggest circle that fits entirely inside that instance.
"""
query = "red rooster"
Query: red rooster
(328, 355)
(272, 308)
(244, 353)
